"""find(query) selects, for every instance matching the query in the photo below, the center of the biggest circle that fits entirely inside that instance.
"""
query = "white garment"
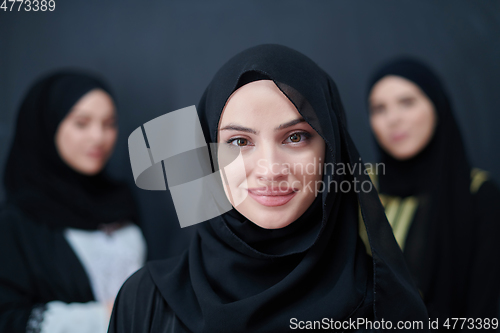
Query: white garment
(90, 317)
(108, 260)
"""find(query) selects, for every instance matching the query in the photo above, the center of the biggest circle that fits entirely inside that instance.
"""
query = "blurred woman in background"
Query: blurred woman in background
(444, 213)
(68, 233)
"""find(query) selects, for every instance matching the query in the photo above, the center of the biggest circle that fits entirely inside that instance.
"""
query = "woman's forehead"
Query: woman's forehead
(257, 102)
(394, 86)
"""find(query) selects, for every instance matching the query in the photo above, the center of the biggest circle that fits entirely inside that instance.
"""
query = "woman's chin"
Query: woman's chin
(403, 155)
(271, 220)
(89, 169)
(272, 225)
(267, 217)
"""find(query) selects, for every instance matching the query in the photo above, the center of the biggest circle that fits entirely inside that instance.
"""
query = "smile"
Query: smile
(271, 197)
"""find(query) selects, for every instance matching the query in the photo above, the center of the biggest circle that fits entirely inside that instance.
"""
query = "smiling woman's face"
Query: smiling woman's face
(86, 137)
(275, 180)
(402, 117)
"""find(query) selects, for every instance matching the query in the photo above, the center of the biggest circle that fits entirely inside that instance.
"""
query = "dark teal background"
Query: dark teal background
(159, 56)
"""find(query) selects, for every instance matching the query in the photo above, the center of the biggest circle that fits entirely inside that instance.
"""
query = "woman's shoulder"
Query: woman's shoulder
(142, 285)
(140, 307)
(483, 186)
(9, 212)
(138, 282)
(13, 220)
(16, 224)
(486, 196)
(134, 300)
(478, 179)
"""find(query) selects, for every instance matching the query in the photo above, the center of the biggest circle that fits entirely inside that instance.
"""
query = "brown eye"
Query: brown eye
(408, 102)
(241, 142)
(238, 142)
(377, 109)
(295, 137)
(80, 124)
(111, 124)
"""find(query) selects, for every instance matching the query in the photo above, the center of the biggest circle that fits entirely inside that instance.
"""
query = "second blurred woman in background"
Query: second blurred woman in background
(444, 213)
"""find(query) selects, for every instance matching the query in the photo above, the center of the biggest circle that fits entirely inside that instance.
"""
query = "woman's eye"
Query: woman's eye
(298, 137)
(240, 142)
(295, 137)
(80, 124)
(376, 109)
(408, 102)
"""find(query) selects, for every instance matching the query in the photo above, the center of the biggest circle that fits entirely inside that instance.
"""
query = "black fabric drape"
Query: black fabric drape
(238, 277)
(452, 240)
(38, 181)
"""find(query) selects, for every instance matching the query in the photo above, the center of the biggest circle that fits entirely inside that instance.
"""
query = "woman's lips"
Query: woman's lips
(96, 154)
(398, 137)
(271, 197)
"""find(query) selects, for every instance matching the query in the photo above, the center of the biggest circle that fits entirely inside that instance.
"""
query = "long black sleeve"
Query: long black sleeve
(16, 285)
(37, 266)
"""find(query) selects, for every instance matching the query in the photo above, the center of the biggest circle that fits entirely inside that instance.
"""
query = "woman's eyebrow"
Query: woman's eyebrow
(290, 124)
(235, 127)
(405, 97)
(240, 128)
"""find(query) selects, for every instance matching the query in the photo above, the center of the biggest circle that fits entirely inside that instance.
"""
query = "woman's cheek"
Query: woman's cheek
(235, 184)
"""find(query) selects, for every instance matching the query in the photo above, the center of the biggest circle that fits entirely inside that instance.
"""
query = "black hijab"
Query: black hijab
(238, 277)
(36, 179)
(441, 238)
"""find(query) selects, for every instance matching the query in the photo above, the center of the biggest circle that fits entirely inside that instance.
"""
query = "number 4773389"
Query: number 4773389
(28, 5)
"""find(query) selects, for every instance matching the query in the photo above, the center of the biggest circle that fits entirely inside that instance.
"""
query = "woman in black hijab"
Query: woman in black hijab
(444, 213)
(244, 273)
(67, 233)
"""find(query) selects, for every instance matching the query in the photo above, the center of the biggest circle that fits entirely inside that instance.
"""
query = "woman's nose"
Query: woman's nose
(97, 133)
(271, 166)
(393, 116)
